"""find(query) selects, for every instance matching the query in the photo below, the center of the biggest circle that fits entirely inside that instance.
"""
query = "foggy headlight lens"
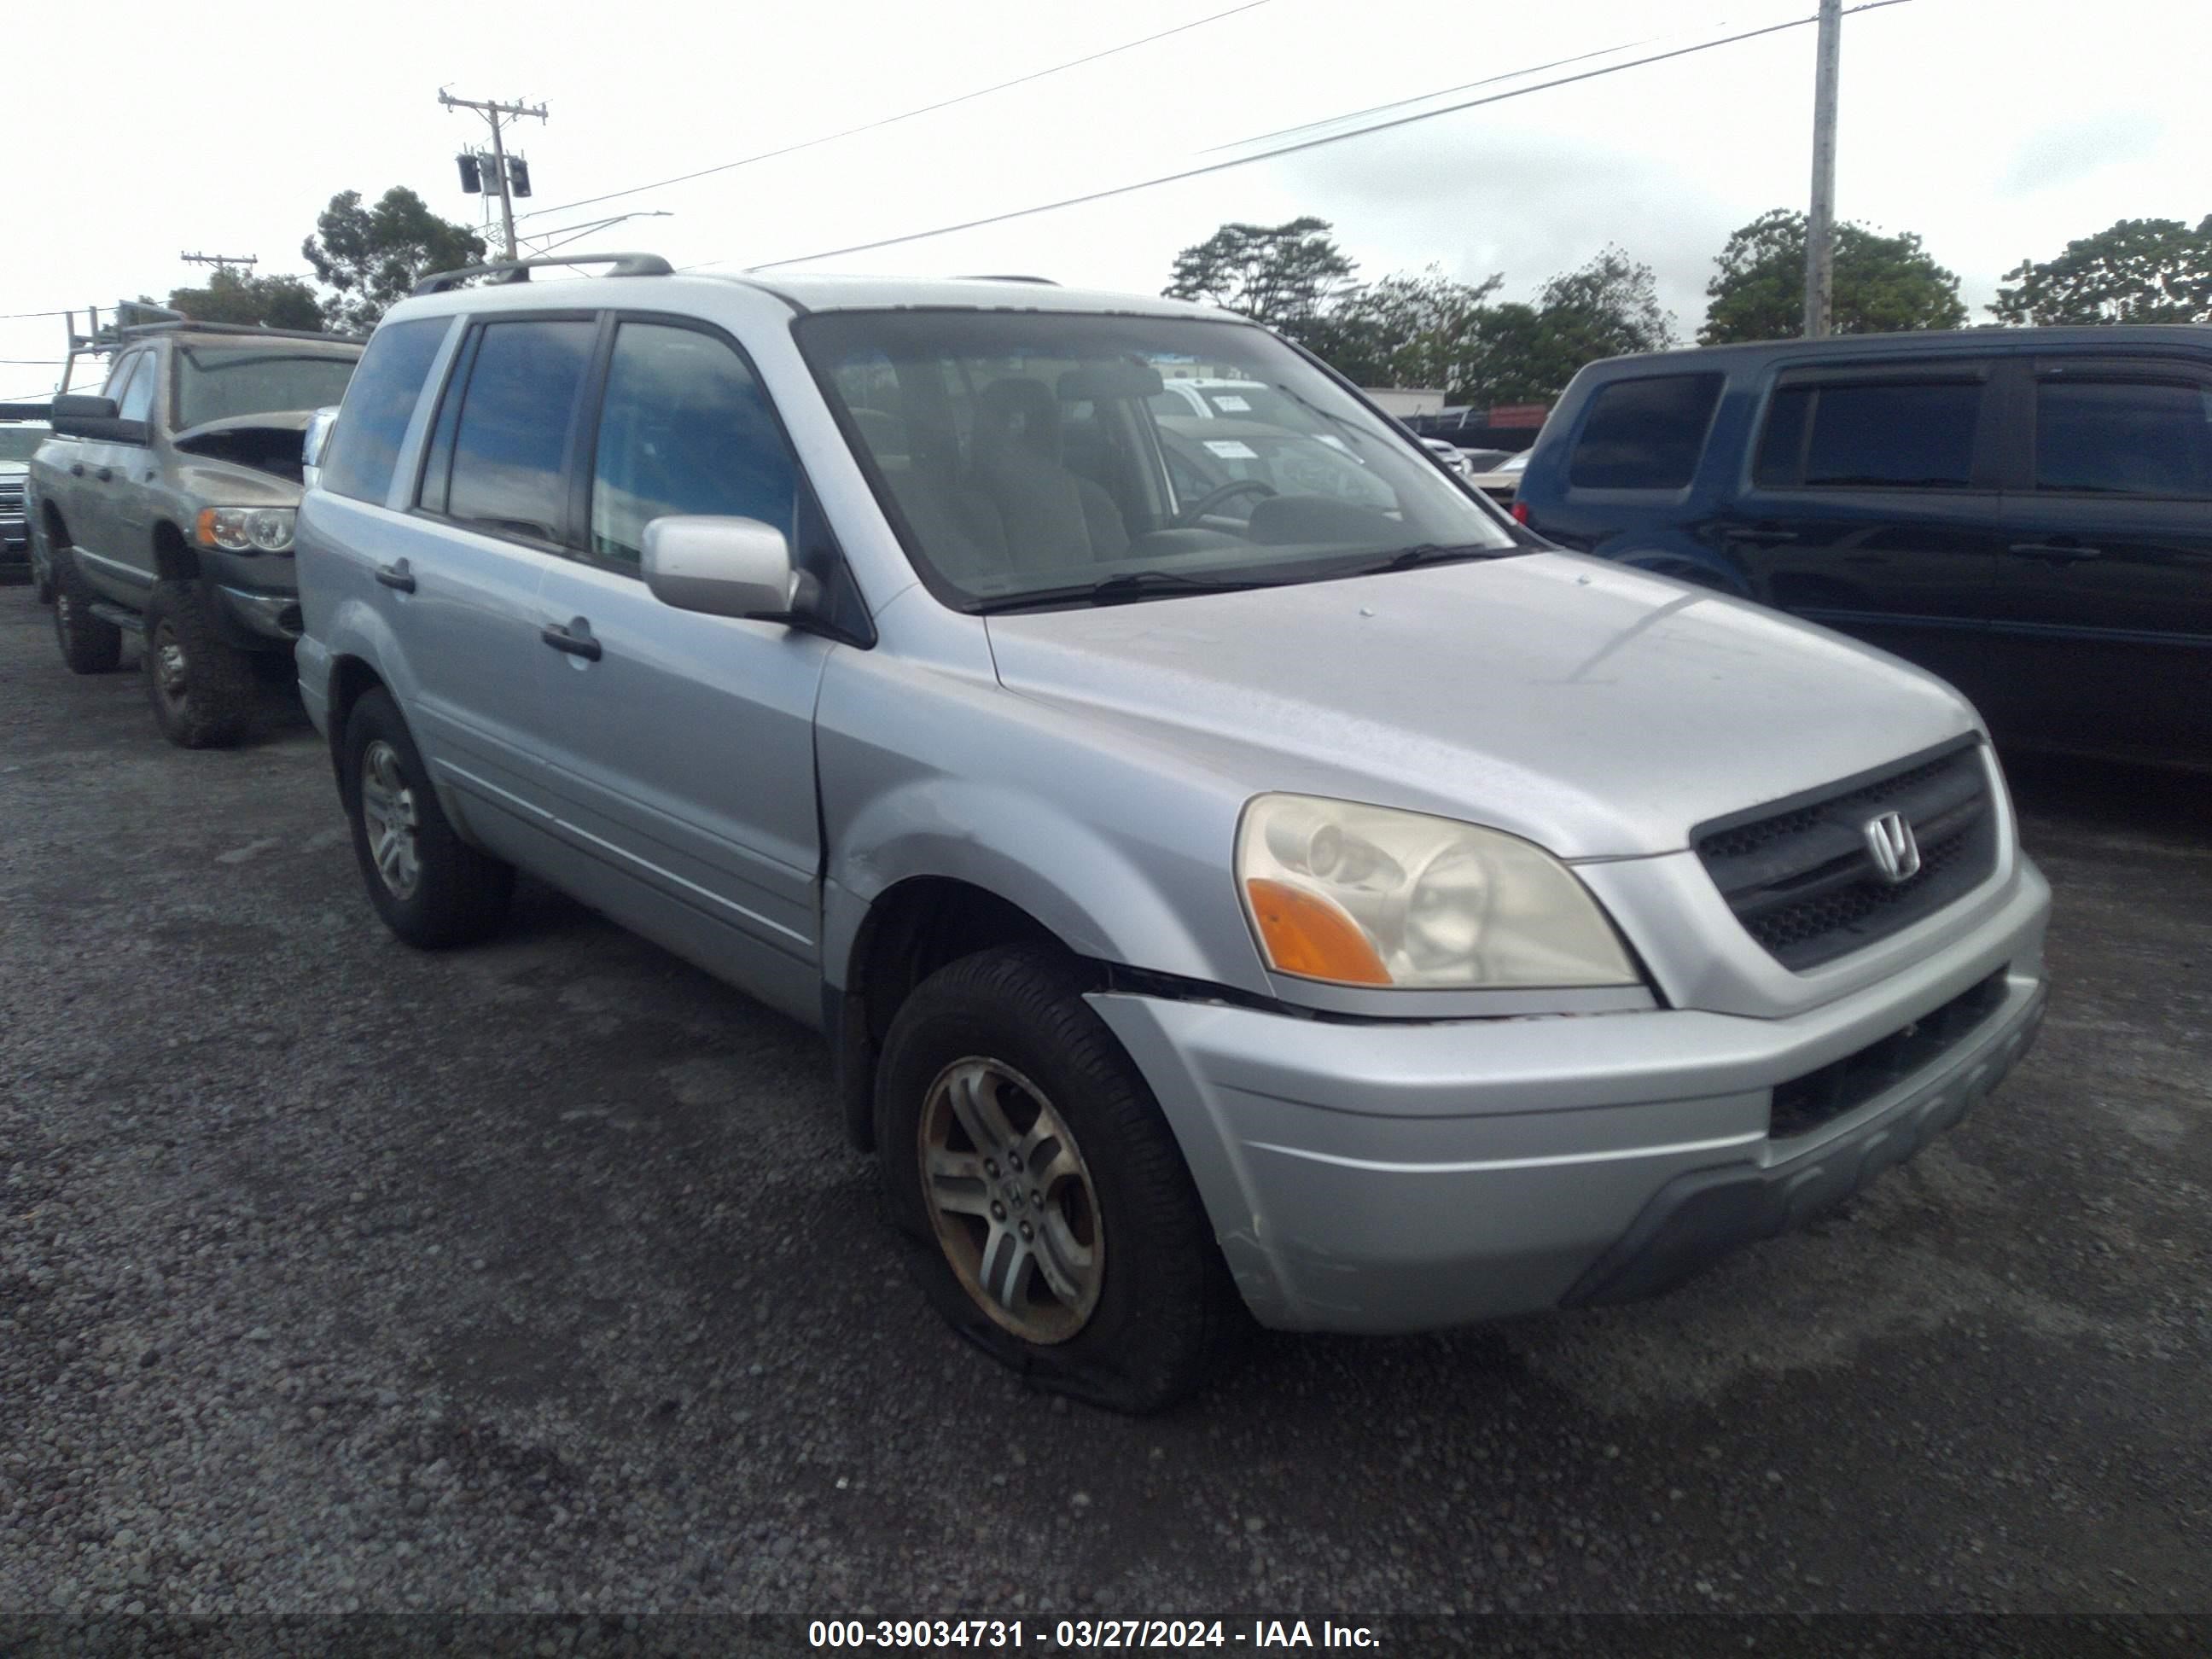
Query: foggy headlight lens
(247, 529)
(1372, 896)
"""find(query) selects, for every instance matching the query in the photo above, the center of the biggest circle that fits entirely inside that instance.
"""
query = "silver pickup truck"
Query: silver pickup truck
(163, 507)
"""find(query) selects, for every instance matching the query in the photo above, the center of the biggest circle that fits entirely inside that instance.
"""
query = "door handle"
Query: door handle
(77, 471)
(397, 575)
(2056, 552)
(105, 474)
(1763, 538)
(575, 639)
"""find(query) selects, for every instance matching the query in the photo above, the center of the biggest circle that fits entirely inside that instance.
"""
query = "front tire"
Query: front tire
(203, 691)
(432, 888)
(89, 645)
(1054, 1222)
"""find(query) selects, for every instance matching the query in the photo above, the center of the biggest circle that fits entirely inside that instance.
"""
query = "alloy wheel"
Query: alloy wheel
(387, 810)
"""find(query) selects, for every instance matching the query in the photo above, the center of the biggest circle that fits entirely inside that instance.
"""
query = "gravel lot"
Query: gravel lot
(335, 1277)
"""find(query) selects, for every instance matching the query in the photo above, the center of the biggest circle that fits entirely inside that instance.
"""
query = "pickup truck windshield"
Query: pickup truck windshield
(215, 383)
(1034, 454)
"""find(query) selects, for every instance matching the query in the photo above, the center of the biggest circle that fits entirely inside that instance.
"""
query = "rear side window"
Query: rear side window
(1644, 435)
(364, 446)
(512, 432)
(684, 428)
(2124, 438)
(1904, 434)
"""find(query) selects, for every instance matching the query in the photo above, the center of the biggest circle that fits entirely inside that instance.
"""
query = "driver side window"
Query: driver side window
(136, 403)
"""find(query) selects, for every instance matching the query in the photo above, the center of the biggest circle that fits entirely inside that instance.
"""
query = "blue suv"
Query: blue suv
(2026, 513)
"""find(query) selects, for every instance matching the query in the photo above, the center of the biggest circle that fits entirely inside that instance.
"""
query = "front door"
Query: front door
(680, 747)
(114, 541)
(2105, 605)
(1873, 508)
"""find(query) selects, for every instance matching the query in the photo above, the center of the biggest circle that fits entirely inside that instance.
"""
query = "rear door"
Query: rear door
(2104, 611)
(1872, 506)
(491, 514)
(680, 747)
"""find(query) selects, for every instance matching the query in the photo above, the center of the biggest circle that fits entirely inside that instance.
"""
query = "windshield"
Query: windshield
(1041, 454)
(17, 442)
(215, 383)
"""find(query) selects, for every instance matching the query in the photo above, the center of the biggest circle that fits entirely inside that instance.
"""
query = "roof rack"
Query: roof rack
(186, 325)
(1000, 276)
(518, 270)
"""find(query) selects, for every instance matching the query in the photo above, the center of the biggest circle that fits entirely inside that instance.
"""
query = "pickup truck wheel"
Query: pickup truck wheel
(203, 691)
(1053, 1220)
(432, 888)
(89, 646)
(42, 564)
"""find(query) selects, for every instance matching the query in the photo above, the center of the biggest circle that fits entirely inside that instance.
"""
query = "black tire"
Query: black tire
(89, 646)
(42, 561)
(1164, 1306)
(458, 895)
(203, 690)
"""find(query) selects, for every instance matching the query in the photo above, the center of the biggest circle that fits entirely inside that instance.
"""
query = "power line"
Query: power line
(18, 316)
(1287, 149)
(904, 115)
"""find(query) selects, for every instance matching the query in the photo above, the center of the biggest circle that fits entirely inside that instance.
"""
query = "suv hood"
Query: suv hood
(1594, 709)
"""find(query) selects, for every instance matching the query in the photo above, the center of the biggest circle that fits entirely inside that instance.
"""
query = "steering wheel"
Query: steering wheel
(1213, 498)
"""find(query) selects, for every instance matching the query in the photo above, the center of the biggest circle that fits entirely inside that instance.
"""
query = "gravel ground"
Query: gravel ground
(335, 1277)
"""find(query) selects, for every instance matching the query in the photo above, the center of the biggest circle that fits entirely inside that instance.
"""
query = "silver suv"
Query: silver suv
(1218, 898)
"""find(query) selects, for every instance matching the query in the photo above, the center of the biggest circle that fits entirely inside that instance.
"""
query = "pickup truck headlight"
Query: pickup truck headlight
(1358, 895)
(247, 529)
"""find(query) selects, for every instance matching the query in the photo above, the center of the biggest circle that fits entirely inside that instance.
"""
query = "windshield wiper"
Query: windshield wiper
(1117, 590)
(1408, 558)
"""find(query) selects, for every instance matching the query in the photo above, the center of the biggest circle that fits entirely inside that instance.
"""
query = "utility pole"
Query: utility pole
(1821, 223)
(220, 261)
(491, 110)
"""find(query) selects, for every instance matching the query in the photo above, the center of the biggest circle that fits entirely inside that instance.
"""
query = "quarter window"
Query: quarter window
(1904, 434)
(684, 428)
(364, 446)
(513, 433)
(2124, 437)
(1645, 433)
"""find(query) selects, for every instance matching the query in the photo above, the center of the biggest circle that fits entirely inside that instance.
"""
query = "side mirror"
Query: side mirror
(312, 446)
(721, 567)
(78, 416)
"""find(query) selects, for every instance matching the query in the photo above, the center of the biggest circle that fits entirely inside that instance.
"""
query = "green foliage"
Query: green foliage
(1281, 275)
(2141, 270)
(372, 257)
(232, 297)
(1882, 283)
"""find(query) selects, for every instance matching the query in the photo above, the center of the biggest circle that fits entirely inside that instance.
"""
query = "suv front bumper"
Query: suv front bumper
(1387, 1177)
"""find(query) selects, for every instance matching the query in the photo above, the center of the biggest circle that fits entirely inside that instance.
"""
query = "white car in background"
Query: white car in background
(1503, 481)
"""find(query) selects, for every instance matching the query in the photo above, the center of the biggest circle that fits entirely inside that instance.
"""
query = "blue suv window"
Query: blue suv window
(1903, 434)
(1644, 435)
(2124, 438)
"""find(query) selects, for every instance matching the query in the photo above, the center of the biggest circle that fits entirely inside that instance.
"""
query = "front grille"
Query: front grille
(1800, 875)
(11, 498)
(1804, 1103)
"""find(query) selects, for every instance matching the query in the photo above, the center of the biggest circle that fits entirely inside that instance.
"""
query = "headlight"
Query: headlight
(1370, 896)
(247, 529)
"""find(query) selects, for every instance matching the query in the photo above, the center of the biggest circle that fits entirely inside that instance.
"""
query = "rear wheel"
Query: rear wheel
(1054, 1222)
(89, 645)
(203, 691)
(432, 888)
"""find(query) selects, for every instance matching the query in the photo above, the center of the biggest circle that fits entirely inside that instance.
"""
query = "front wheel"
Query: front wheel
(1055, 1225)
(432, 888)
(203, 691)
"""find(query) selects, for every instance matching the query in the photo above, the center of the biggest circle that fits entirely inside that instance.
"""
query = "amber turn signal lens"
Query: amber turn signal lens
(1306, 934)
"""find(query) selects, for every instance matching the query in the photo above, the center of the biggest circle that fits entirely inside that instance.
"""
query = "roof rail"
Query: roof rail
(186, 325)
(1005, 276)
(518, 270)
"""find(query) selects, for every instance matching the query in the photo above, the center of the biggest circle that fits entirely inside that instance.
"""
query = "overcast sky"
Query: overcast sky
(1996, 128)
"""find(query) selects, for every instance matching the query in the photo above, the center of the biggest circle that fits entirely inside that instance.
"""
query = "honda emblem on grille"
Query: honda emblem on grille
(1890, 844)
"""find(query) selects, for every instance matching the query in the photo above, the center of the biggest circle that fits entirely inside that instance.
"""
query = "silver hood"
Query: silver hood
(1592, 708)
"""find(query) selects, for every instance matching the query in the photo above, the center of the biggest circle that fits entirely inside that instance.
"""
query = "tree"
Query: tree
(232, 297)
(2141, 270)
(1282, 275)
(1606, 308)
(1403, 331)
(372, 257)
(1882, 283)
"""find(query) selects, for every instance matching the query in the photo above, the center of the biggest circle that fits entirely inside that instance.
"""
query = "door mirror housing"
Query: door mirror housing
(721, 567)
(76, 415)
